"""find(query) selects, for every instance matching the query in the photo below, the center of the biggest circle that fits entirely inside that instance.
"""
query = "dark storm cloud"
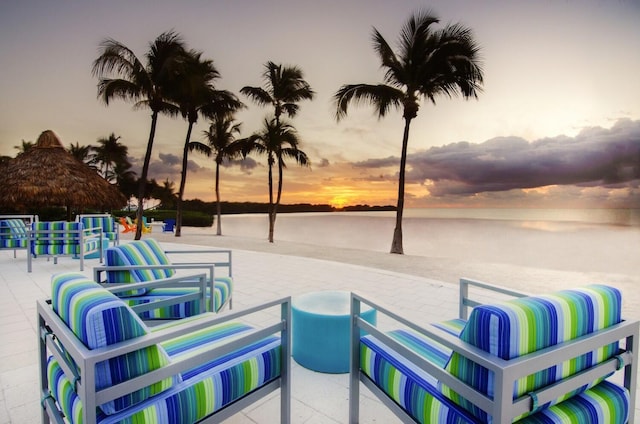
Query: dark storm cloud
(246, 165)
(169, 166)
(595, 157)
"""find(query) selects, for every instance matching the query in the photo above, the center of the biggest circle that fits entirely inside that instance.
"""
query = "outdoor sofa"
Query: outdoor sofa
(531, 359)
(62, 238)
(100, 363)
(144, 260)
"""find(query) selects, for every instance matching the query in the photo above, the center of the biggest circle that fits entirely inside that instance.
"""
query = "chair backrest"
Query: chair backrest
(169, 224)
(13, 228)
(98, 319)
(106, 222)
(56, 232)
(138, 252)
(517, 327)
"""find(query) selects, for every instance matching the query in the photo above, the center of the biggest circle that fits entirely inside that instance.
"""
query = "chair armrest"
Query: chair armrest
(222, 263)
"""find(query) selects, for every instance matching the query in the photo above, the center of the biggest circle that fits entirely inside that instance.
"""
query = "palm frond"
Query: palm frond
(382, 97)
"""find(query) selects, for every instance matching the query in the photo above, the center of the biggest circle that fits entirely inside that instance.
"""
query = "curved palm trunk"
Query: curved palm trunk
(396, 244)
(143, 176)
(218, 207)
(272, 220)
(183, 181)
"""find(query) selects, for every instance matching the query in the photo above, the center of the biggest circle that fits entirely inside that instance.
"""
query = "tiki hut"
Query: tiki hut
(48, 175)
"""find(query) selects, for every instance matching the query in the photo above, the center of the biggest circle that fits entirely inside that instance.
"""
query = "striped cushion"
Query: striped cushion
(58, 247)
(222, 292)
(204, 389)
(56, 232)
(13, 243)
(410, 387)
(13, 228)
(521, 326)
(109, 230)
(139, 252)
(98, 318)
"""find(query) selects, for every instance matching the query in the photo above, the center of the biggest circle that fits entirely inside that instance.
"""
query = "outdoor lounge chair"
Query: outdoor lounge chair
(144, 261)
(168, 226)
(104, 221)
(62, 238)
(127, 225)
(543, 359)
(100, 363)
(14, 232)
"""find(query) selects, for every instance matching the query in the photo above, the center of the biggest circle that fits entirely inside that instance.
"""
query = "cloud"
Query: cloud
(596, 157)
(169, 166)
(246, 165)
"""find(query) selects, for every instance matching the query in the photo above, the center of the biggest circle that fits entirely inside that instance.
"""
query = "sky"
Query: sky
(556, 125)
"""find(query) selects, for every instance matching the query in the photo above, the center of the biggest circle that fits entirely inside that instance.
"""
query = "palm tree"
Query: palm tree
(196, 95)
(223, 145)
(83, 153)
(429, 63)
(143, 84)
(108, 154)
(284, 87)
(166, 193)
(278, 140)
(24, 146)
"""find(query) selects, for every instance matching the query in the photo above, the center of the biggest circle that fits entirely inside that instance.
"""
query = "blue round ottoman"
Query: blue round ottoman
(321, 330)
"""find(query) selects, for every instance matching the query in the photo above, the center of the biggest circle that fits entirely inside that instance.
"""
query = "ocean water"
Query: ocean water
(587, 240)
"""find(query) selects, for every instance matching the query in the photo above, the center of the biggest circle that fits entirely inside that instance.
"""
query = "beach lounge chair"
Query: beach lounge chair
(168, 226)
(127, 225)
(100, 363)
(542, 359)
(53, 239)
(144, 260)
(14, 232)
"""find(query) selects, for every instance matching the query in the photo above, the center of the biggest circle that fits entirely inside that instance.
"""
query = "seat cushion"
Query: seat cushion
(98, 319)
(410, 387)
(109, 231)
(203, 390)
(517, 327)
(13, 228)
(222, 292)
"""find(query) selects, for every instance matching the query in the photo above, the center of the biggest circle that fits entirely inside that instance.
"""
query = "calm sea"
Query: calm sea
(604, 240)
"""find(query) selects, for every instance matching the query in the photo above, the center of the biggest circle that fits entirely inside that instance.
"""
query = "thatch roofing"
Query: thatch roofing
(48, 175)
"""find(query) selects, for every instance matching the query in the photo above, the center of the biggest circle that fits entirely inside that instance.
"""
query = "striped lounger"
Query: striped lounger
(508, 330)
(98, 319)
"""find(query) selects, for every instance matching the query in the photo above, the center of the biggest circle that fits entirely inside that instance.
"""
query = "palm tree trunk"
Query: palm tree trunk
(396, 244)
(279, 195)
(271, 208)
(143, 177)
(218, 207)
(183, 181)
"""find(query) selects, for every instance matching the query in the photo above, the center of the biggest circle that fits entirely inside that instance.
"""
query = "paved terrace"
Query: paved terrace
(259, 276)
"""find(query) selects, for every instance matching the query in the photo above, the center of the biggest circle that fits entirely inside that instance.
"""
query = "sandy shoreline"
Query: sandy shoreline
(445, 269)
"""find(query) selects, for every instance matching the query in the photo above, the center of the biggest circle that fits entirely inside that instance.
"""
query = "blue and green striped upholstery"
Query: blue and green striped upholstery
(199, 391)
(521, 326)
(106, 222)
(60, 238)
(140, 252)
(409, 386)
(149, 252)
(186, 309)
(98, 318)
(13, 234)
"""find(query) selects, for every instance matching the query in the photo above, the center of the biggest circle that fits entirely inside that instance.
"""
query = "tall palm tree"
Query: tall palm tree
(144, 84)
(196, 95)
(223, 145)
(278, 140)
(284, 88)
(24, 146)
(428, 63)
(166, 194)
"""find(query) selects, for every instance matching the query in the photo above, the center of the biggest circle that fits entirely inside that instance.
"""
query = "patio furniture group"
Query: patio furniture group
(147, 343)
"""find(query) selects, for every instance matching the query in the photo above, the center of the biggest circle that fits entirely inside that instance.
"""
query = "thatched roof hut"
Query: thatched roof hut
(48, 175)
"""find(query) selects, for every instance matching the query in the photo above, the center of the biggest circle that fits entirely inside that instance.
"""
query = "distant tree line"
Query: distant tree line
(230, 208)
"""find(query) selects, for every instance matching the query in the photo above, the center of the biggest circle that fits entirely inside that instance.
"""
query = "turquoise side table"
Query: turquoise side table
(321, 330)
